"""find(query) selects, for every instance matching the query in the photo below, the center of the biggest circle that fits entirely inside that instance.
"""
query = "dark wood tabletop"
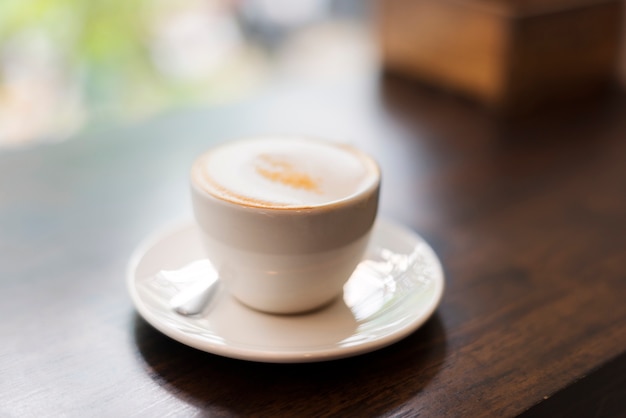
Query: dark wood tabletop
(528, 217)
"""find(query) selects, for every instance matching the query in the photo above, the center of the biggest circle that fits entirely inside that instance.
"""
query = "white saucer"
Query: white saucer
(393, 291)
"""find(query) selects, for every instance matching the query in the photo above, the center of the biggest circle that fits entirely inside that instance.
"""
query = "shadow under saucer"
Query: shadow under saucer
(220, 385)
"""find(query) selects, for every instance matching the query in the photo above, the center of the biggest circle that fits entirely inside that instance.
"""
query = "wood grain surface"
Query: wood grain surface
(515, 56)
(529, 220)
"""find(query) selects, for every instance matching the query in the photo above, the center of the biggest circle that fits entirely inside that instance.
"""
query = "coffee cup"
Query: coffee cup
(284, 220)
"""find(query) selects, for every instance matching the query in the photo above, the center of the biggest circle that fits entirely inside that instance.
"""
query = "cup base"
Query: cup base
(288, 312)
(305, 283)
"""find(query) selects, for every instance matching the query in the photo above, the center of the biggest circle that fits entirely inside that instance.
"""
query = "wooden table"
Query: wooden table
(529, 220)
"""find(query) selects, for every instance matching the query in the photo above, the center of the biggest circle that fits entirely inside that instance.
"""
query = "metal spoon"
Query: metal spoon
(197, 282)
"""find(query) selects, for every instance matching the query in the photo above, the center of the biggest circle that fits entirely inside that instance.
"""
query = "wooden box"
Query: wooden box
(506, 53)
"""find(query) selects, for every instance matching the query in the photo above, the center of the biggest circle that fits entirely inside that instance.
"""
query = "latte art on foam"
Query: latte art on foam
(284, 172)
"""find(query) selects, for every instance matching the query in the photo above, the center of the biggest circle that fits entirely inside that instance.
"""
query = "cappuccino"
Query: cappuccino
(284, 220)
(284, 172)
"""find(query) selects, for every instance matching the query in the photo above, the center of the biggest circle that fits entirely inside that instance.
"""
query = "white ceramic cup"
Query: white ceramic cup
(282, 257)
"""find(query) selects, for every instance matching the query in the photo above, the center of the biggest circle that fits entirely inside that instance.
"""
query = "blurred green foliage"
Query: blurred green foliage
(104, 43)
(104, 46)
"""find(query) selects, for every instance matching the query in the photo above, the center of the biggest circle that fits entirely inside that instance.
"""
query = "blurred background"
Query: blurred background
(71, 65)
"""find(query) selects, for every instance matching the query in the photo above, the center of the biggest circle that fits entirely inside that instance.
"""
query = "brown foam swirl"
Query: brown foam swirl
(290, 173)
(281, 171)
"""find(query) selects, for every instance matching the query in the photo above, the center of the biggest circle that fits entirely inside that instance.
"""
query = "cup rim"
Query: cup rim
(363, 194)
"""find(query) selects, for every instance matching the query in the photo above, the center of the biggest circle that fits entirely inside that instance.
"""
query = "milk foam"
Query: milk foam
(284, 172)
